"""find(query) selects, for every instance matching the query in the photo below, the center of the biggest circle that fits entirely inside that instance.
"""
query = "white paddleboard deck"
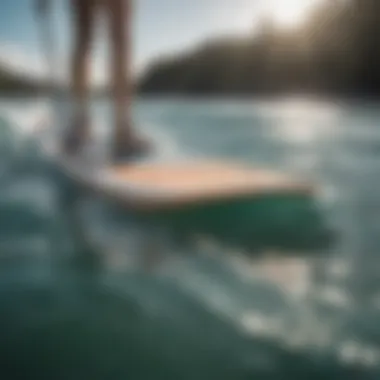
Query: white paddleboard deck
(155, 183)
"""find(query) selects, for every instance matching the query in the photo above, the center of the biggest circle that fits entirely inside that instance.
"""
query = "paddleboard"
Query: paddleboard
(236, 204)
(231, 202)
(153, 186)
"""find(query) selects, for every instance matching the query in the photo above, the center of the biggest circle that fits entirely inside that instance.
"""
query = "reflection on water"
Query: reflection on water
(86, 311)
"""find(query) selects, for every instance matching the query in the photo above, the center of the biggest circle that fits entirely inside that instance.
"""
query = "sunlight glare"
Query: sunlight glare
(284, 13)
(289, 13)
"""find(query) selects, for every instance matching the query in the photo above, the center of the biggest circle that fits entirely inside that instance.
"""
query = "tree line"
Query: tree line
(335, 51)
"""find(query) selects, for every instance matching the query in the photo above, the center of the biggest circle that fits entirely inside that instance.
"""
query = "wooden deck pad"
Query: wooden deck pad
(199, 181)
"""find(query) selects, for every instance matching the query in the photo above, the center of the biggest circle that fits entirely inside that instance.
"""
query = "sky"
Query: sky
(160, 27)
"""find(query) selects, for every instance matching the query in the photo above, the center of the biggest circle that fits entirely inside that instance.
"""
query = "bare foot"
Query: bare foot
(76, 136)
(131, 147)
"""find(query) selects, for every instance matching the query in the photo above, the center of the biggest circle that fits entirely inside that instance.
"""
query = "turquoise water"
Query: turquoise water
(73, 311)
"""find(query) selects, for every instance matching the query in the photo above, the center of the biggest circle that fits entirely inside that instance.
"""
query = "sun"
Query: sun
(284, 13)
(288, 13)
